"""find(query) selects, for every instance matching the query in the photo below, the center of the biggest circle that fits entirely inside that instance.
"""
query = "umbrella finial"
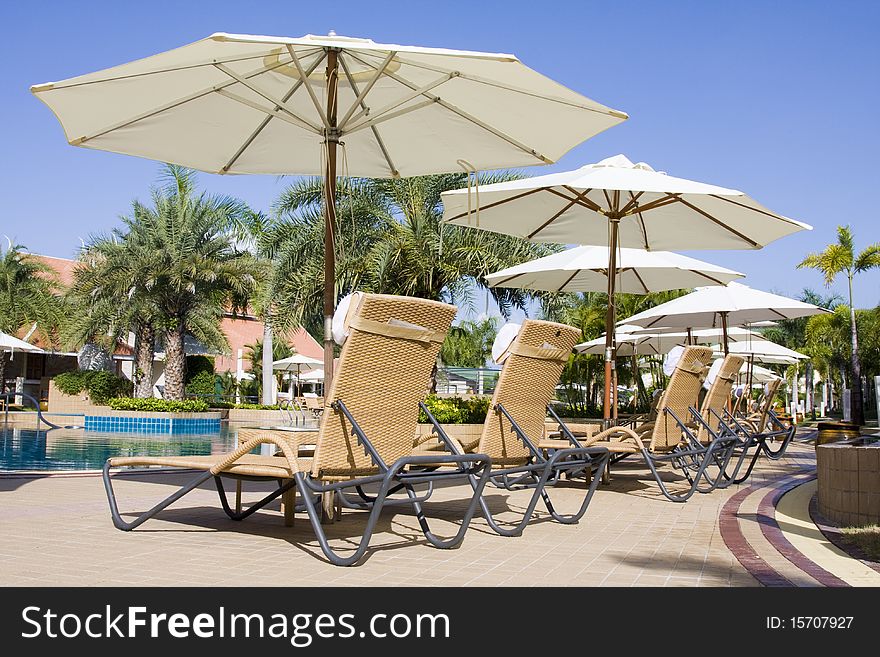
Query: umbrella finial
(331, 33)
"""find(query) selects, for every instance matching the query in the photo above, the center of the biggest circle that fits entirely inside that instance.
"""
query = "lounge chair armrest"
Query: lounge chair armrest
(286, 448)
(620, 433)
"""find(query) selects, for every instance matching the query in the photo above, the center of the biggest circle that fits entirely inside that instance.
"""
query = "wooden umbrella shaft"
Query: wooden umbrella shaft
(724, 332)
(332, 140)
(609, 320)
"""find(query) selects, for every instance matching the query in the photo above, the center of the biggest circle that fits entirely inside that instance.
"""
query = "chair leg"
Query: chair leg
(238, 495)
(119, 523)
(288, 506)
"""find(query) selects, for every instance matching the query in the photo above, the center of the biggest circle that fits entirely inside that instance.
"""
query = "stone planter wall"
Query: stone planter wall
(849, 483)
(72, 404)
(265, 417)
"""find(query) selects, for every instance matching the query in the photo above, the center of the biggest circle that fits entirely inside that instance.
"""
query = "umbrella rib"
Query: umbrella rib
(277, 101)
(764, 212)
(279, 113)
(378, 115)
(705, 275)
(216, 88)
(569, 280)
(469, 117)
(505, 280)
(267, 119)
(583, 199)
(633, 200)
(362, 94)
(348, 76)
(551, 219)
(302, 76)
(474, 78)
(653, 205)
(645, 287)
(723, 225)
(50, 86)
(501, 202)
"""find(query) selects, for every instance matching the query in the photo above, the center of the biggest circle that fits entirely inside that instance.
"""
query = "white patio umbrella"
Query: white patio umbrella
(766, 351)
(632, 340)
(314, 375)
(723, 306)
(619, 204)
(585, 269)
(296, 363)
(238, 103)
(13, 344)
(759, 374)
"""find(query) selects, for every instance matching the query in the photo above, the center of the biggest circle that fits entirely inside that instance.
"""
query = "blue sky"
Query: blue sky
(778, 99)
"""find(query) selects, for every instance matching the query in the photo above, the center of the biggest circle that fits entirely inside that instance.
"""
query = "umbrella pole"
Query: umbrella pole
(690, 336)
(332, 139)
(610, 319)
(724, 331)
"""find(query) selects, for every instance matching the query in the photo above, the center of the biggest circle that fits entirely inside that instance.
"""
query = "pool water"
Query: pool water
(77, 449)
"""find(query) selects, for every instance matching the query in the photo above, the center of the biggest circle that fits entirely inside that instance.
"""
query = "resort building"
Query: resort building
(241, 331)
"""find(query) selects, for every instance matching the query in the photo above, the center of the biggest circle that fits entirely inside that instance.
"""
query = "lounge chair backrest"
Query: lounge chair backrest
(384, 372)
(525, 387)
(718, 396)
(681, 393)
(767, 403)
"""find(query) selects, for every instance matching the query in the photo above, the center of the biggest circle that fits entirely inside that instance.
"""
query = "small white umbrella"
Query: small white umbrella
(325, 105)
(13, 344)
(633, 340)
(723, 306)
(585, 269)
(619, 204)
(314, 375)
(295, 363)
(765, 351)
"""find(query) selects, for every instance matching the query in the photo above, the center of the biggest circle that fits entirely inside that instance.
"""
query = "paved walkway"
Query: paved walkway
(56, 531)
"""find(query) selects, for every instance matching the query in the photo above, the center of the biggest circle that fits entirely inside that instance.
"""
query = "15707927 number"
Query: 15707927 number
(809, 622)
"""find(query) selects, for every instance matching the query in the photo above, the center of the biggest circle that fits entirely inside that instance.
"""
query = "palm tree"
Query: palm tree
(841, 258)
(389, 239)
(257, 357)
(105, 275)
(190, 264)
(469, 344)
(27, 296)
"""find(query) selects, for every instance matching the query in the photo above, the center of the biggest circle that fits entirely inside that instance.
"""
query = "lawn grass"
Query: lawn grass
(865, 538)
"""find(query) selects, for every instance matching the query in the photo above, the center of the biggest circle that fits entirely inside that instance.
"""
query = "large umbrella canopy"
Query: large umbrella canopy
(237, 103)
(585, 269)
(12, 343)
(619, 204)
(723, 306)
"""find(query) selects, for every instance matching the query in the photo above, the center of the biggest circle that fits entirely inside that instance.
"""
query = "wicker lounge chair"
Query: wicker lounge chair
(671, 439)
(392, 347)
(757, 431)
(515, 424)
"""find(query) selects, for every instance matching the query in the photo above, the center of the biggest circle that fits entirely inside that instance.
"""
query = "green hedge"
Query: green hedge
(248, 407)
(99, 384)
(455, 410)
(158, 405)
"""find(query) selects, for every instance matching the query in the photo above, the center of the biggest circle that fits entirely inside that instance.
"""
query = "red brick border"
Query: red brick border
(774, 534)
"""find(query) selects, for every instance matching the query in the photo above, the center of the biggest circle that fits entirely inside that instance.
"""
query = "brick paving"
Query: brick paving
(56, 530)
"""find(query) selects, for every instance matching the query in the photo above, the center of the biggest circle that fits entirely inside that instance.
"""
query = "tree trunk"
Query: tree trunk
(810, 406)
(143, 360)
(855, 395)
(268, 358)
(842, 386)
(175, 364)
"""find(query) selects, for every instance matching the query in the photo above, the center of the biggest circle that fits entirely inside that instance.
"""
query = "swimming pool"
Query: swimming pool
(78, 449)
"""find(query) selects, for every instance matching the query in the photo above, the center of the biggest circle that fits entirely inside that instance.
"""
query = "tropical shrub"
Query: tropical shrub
(152, 404)
(455, 410)
(99, 384)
